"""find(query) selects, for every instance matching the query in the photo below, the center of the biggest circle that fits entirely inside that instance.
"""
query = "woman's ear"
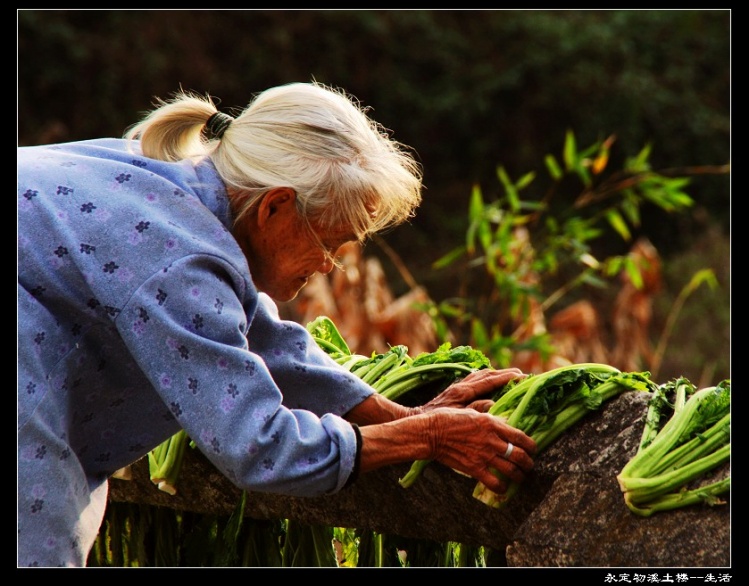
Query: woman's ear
(278, 199)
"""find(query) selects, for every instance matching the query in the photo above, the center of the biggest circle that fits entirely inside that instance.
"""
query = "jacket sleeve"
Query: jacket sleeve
(308, 378)
(187, 329)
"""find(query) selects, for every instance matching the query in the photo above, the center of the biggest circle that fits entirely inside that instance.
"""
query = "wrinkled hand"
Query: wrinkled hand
(467, 392)
(474, 443)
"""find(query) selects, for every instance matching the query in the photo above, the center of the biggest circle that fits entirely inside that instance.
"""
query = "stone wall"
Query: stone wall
(569, 513)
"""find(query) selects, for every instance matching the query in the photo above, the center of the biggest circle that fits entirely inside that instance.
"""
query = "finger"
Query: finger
(514, 460)
(516, 457)
(509, 470)
(482, 405)
(505, 472)
(518, 438)
(483, 382)
(501, 375)
(491, 481)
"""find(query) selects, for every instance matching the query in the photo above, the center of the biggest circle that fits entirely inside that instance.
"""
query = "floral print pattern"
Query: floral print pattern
(137, 316)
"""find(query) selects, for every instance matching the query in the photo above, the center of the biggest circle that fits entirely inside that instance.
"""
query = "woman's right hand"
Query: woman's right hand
(466, 440)
(474, 443)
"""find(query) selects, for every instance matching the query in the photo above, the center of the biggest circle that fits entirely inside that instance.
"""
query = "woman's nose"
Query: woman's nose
(327, 266)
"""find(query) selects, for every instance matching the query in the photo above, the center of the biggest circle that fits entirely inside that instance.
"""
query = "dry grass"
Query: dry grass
(623, 331)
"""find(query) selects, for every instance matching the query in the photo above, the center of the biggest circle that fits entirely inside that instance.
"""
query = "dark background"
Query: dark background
(467, 89)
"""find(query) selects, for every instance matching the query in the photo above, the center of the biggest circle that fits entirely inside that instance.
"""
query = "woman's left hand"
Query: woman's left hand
(468, 392)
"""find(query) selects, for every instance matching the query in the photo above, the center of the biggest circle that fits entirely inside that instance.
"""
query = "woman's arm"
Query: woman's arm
(466, 440)
(467, 392)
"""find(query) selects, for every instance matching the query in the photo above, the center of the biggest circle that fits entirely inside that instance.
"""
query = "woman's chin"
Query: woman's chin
(288, 293)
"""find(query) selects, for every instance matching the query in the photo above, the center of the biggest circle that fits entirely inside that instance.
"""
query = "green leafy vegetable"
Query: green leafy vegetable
(327, 335)
(446, 364)
(394, 373)
(684, 439)
(545, 405)
(165, 461)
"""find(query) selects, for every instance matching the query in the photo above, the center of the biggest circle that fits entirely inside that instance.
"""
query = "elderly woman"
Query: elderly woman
(147, 272)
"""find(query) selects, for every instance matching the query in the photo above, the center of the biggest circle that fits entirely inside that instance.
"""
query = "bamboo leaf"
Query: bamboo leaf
(570, 151)
(618, 224)
(553, 167)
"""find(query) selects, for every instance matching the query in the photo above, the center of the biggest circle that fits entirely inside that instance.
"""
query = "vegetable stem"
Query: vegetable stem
(694, 440)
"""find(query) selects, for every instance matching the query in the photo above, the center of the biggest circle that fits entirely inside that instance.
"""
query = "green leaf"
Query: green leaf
(639, 164)
(479, 334)
(476, 204)
(631, 209)
(449, 258)
(633, 272)
(525, 180)
(589, 278)
(570, 151)
(553, 167)
(702, 276)
(475, 218)
(513, 199)
(618, 224)
(324, 329)
(582, 172)
(447, 354)
(484, 234)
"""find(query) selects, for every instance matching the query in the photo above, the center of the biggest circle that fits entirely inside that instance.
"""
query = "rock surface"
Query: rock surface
(583, 521)
(569, 513)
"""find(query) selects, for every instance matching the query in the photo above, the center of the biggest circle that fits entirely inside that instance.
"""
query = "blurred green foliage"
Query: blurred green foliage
(467, 89)
(524, 256)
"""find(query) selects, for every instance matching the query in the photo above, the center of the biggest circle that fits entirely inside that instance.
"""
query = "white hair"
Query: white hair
(344, 167)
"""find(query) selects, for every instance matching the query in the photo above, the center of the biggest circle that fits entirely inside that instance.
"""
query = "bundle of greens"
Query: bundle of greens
(687, 435)
(165, 461)
(545, 405)
(394, 374)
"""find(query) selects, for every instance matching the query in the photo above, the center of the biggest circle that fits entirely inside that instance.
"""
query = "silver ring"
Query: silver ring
(508, 451)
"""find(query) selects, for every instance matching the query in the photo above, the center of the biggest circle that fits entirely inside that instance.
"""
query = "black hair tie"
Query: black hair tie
(217, 124)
